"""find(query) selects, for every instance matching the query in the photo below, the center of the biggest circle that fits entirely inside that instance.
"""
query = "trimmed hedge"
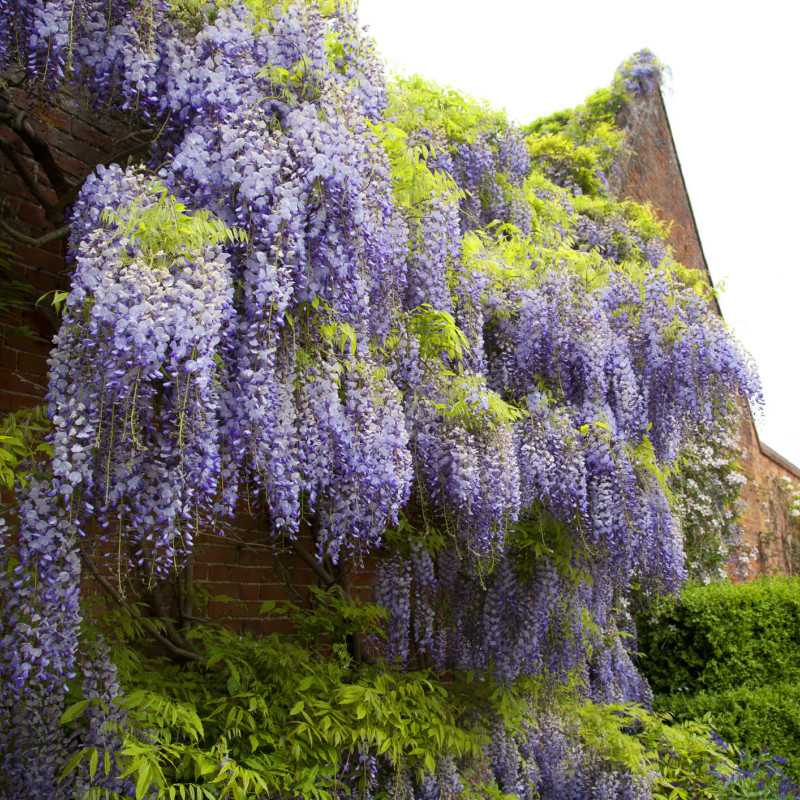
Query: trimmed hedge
(754, 719)
(723, 636)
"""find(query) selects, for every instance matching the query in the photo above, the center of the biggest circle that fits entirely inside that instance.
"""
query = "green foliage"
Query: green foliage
(754, 718)
(683, 758)
(640, 218)
(291, 85)
(727, 654)
(196, 13)
(164, 231)
(601, 108)
(583, 164)
(581, 143)
(468, 400)
(552, 210)
(475, 406)
(271, 9)
(512, 259)
(723, 636)
(22, 443)
(438, 334)
(540, 535)
(414, 183)
(644, 459)
(335, 617)
(339, 335)
(502, 252)
(415, 103)
(278, 715)
(16, 297)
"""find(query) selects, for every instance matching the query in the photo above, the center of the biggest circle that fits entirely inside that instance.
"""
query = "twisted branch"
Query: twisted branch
(18, 122)
(34, 241)
(65, 188)
(176, 650)
(312, 562)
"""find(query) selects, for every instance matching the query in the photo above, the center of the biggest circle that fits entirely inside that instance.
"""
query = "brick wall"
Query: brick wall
(651, 172)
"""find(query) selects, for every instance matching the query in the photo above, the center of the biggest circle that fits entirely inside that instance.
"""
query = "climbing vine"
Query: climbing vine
(706, 483)
(385, 319)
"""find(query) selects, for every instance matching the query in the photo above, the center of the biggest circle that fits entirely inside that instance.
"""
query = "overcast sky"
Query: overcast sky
(732, 102)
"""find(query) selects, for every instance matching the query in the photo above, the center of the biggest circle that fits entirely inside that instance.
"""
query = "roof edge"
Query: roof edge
(774, 455)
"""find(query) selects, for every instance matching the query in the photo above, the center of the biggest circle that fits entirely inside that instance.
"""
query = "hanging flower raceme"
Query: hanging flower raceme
(466, 461)
(38, 34)
(134, 389)
(39, 619)
(685, 361)
(433, 253)
(354, 461)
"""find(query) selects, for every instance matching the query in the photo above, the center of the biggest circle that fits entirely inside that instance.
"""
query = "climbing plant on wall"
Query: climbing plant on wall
(706, 482)
(384, 319)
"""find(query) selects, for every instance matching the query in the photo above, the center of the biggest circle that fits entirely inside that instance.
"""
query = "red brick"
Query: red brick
(8, 358)
(19, 97)
(279, 592)
(31, 213)
(32, 363)
(19, 383)
(25, 344)
(75, 167)
(220, 573)
(250, 591)
(14, 187)
(44, 260)
(53, 117)
(228, 588)
(218, 554)
(85, 132)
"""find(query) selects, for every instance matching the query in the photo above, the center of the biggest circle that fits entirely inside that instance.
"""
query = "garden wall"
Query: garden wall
(241, 566)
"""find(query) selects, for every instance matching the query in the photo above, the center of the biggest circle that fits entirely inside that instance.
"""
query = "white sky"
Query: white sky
(732, 102)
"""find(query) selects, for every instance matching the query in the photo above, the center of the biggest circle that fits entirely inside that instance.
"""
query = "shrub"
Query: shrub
(755, 719)
(722, 637)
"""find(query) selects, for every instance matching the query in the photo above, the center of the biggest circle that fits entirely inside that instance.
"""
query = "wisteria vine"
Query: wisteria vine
(388, 316)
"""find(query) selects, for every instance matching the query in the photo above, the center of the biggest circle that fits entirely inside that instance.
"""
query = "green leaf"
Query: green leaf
(143, 781)
(74, 711)
(267, 607)
(73, 762)
(94, 758)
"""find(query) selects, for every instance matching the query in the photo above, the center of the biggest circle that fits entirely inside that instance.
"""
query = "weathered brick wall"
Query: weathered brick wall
(771, 535)
(650, 172)
(79, 139)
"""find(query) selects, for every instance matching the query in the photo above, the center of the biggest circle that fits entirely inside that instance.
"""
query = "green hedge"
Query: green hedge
(754, 719)
(723, 636)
